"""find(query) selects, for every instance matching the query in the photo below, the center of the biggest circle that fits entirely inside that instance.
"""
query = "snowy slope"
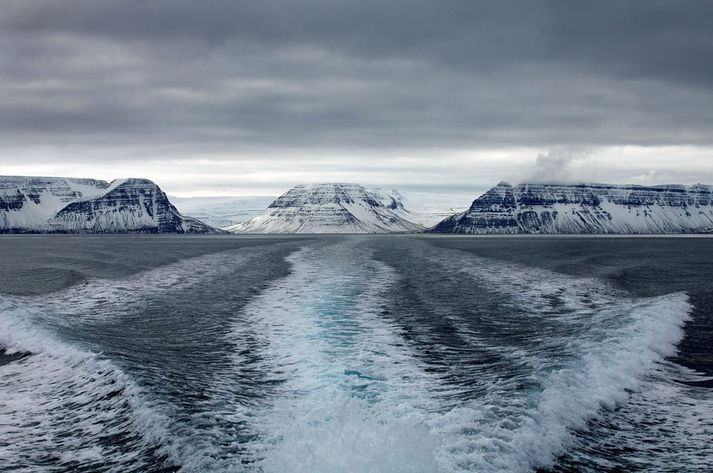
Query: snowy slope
(423, 208)
(128, 205)
(39, 204)
(331, 208)
(27, 203)
(586, 208)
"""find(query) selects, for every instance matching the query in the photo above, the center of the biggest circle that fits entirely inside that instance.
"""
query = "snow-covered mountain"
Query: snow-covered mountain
(424, 208)
(586, 208)
(332, 208)
(28, 203)
(53, 204)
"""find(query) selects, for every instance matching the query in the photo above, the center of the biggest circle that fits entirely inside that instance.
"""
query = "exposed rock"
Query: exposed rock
(45, 204)
(586, 208)
(332, 208)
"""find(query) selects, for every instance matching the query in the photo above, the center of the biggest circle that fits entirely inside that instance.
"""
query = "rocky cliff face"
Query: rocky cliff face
(331, 208)
(29, 204)
(586, 208)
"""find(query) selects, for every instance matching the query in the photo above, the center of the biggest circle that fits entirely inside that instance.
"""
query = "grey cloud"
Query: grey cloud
(652, 37)
(228, 76)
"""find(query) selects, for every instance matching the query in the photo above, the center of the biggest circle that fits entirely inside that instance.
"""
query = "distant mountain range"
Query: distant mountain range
(221, 212)
(67, 205)
(586, 208)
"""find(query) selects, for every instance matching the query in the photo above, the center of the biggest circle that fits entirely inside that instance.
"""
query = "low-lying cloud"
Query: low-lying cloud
(560, 165)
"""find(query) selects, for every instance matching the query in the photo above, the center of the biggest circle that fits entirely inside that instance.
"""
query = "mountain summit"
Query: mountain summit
(332, 208)
(66, 205)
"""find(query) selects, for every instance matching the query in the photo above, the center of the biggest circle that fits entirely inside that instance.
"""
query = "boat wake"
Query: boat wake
(330, 368)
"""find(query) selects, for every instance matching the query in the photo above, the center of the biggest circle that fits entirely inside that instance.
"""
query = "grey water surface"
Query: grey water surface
(355, 354)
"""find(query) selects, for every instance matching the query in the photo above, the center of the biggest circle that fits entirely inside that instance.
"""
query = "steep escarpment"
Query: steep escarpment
(65, 205)
(586, 208)
(331, 208)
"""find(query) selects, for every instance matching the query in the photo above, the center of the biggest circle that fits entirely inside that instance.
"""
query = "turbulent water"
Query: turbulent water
(355, 354)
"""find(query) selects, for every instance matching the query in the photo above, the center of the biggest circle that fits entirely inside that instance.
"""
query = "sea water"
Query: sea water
(355, 354)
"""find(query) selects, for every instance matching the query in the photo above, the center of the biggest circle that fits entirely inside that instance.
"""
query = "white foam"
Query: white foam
(342, 388)
(59, 373)
(533, 288)
(340, 433)
(322, 322)
(662, 413)
(619, 343)
(351, 395)
(89, 301)
(59, 401)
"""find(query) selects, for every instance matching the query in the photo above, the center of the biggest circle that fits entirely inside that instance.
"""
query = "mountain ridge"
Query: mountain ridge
(33, 204)
(582, 208)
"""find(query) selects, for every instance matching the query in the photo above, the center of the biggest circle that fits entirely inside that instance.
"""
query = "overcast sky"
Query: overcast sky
(251, 97)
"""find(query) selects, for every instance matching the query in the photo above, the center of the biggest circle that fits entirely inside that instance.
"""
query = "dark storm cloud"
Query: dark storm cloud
(369, 75)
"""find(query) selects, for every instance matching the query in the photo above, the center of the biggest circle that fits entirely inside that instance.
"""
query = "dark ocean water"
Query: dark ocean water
(355, 354)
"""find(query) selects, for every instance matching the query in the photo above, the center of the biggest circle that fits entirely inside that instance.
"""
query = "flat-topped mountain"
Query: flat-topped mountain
(56, 204)
(586, 208)
(332, 208)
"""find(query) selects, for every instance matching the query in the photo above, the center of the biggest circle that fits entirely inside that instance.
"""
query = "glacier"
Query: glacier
(220, 212)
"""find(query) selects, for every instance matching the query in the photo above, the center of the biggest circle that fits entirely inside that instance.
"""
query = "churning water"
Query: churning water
(356, 354)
